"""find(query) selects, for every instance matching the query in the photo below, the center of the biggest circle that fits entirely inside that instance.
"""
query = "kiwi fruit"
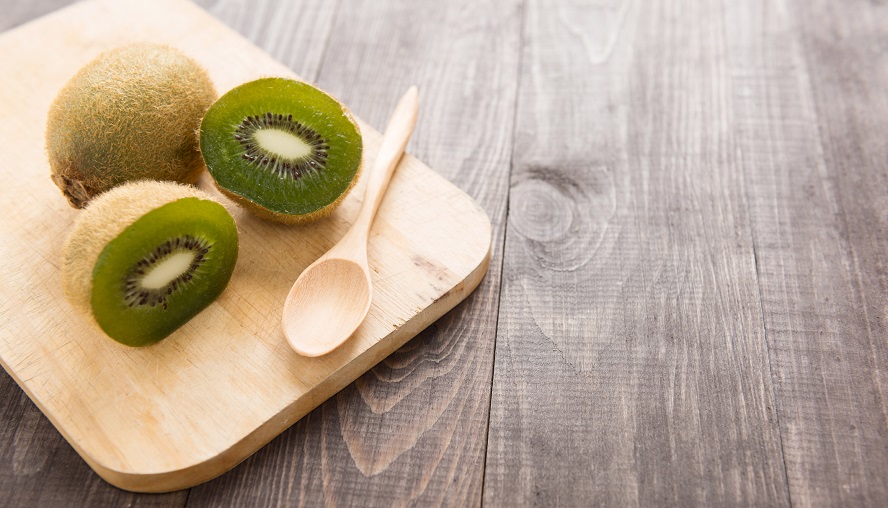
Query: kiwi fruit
(283, 149)
(130, 114)
(145, 257)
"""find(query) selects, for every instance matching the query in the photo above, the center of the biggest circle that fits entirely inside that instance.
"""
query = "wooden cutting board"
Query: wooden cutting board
(180, 412)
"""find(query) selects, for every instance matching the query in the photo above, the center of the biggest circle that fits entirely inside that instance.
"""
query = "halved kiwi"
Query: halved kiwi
(282, 148)
(145, 257)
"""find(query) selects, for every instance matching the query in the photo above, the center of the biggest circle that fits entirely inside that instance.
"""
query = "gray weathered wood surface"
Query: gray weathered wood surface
(688, 299)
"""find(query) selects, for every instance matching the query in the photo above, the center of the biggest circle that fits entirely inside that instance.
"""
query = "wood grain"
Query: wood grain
(186, 409)
(631, 366)
(812, 106)
(695, 280)
(294, 33)
(413, 429)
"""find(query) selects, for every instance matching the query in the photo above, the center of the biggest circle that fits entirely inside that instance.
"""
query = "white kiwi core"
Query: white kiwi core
(167, 270)
(282, 143)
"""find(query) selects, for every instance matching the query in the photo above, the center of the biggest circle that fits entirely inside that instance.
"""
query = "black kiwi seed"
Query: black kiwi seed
(259, 157)
(137, 296)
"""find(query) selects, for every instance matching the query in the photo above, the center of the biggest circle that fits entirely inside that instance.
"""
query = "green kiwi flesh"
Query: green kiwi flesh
(164, 264)
(132, 113)
(282, 148)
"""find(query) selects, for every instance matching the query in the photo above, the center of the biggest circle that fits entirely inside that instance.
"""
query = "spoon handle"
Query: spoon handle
(397, 132)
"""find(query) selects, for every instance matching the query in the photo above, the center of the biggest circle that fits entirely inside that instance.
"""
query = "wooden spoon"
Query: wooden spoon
(331, 298)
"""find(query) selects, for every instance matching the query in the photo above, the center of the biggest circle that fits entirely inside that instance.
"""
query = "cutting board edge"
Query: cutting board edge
(206, 470)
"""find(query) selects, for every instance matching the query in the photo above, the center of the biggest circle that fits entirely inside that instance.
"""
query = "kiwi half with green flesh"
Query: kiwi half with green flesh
(283, 149)
(145, 257)
(130, 114)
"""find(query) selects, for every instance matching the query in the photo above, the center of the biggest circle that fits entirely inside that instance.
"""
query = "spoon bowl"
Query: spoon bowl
(331, 298)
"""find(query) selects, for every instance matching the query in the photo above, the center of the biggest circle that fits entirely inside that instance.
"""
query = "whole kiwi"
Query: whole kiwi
(130, 114)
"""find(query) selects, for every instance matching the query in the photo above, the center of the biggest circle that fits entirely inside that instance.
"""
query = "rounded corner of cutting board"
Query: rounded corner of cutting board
(152, 483)
(484, 225)
(478, 214)
(180, 477)
(484, 260)
(157, 483)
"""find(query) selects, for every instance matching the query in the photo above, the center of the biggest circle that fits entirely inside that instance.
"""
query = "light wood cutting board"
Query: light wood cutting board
(180, 412)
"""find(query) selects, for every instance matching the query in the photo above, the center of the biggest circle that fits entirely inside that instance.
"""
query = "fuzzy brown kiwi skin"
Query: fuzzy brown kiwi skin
(76, 187)
(160, 144)
(284, 218)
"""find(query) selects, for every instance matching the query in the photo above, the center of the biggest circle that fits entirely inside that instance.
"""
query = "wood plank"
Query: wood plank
(631, 365)
(814, 115)
(37, 466)
(295, 33)
(413, 429)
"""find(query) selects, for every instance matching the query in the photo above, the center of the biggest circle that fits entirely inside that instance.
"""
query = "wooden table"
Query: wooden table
(688, 298)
